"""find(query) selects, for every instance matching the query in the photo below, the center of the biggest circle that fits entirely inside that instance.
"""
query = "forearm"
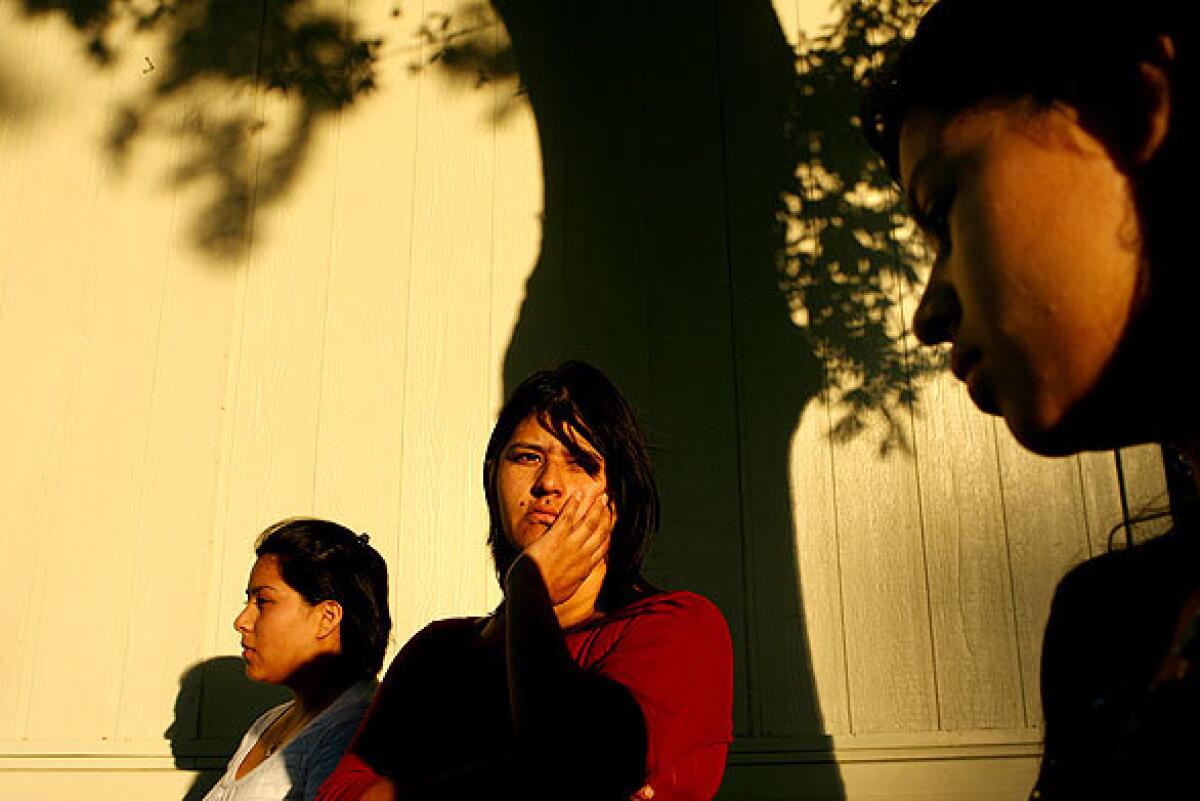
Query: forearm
(505, 776)
(569, 722)
(539, 664)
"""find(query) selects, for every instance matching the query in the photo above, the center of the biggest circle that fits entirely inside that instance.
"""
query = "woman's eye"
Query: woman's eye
(524, 457)
(935, 220)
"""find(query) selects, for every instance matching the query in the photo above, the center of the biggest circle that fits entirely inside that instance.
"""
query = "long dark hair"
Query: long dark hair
(576, 396)
(325, 561)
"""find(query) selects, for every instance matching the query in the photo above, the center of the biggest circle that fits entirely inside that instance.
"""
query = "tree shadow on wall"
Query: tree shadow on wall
(216, 53)
(215, 705)
(718, 238)
(660, 127)
(852, 249)
(847, 248)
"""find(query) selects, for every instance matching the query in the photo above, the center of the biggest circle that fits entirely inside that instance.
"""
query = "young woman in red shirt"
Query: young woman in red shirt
(586, 682)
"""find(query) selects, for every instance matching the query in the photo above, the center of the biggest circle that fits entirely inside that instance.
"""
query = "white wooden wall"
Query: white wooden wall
(162, 406)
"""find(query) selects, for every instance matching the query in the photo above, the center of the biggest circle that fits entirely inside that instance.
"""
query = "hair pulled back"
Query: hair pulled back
(325, 561)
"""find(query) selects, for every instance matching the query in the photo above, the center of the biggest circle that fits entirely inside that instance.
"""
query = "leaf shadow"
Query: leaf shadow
(222, 61)
(850, 254)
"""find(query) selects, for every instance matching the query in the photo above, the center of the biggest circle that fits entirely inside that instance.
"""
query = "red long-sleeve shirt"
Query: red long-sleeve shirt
(642, 695)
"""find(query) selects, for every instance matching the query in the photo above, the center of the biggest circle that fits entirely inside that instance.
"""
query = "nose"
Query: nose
(549, 480)
(241, 623)
(939, 312)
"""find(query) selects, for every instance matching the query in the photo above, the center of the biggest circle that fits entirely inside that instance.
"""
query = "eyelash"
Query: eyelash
(587, 464)
(936, 219)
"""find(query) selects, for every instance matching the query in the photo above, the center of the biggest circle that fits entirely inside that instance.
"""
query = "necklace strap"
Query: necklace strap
(284, 733)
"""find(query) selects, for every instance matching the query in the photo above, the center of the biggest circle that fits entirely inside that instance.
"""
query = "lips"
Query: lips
(962, 362)
(542, 517)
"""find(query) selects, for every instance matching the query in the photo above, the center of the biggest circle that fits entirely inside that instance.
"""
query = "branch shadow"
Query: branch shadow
(852, 250)
(217, 55)
(215, 705)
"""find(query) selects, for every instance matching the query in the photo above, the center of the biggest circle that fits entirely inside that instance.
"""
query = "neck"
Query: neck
(581, 607)
(317, 684)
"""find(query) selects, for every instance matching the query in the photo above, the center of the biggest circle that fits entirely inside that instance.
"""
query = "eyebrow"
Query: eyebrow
(259, 588)
(527, 445)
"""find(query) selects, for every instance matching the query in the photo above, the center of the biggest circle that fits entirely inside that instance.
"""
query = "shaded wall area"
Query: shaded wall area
(661, 133)
(215, 706)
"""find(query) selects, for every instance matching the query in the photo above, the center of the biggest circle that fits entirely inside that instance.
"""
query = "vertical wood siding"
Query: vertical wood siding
(162, 406)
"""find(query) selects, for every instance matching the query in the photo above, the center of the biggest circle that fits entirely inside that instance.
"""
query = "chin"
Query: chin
(1084, 428)
(1044, 442)
(254, 674)
(1040, 428)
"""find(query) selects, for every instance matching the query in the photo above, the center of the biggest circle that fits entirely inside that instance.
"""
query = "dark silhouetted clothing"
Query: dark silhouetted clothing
(1117, 724)
(512, 706)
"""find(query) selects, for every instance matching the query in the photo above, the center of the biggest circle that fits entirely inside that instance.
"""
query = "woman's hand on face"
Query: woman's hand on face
(577, 542)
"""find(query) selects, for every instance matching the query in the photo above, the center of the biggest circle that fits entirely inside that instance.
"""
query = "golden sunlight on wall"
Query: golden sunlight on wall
(222, 304)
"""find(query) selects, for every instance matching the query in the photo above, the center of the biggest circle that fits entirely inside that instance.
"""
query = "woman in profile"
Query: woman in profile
(316, 621)
(586, 682)
(1048, 150)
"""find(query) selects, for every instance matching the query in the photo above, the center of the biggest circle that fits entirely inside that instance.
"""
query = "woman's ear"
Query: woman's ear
(1156, 90)
(330, 618)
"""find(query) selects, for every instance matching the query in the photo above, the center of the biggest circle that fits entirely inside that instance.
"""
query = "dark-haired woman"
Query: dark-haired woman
(1048, 149)
(586, 682)
(316, 620)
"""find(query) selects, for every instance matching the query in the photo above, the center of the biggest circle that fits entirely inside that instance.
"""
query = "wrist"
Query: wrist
(523, 574)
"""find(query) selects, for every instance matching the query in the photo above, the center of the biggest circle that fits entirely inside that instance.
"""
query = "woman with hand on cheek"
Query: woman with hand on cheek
(586, 683)
(316, 621)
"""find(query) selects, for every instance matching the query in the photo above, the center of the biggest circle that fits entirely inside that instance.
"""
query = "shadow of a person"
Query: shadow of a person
(215, 705)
